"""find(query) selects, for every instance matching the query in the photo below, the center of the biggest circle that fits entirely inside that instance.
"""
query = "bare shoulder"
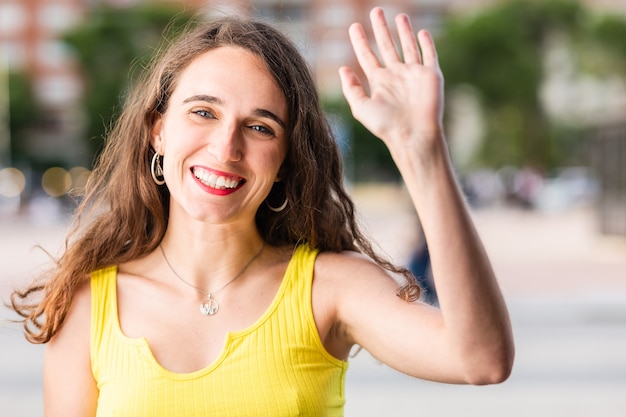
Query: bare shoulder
(69, 387)
(72, 340)
(344, 286)
(347, 278)
(349, 269)
(77, 322)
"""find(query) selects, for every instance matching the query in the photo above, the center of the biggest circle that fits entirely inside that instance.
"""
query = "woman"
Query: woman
(217, 268)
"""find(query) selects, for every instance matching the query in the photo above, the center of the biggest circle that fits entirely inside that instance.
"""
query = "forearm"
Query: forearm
(471, 336)
(476, 320)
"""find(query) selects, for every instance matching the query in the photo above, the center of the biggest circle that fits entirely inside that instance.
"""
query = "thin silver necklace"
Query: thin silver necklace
(210, 306)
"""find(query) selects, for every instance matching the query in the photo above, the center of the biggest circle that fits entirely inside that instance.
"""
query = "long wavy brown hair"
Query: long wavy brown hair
(124, 214)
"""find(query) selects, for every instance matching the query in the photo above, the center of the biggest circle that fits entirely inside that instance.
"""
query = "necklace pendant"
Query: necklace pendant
(209, 307)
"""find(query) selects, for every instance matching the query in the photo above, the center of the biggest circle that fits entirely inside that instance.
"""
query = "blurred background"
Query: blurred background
(536, 121)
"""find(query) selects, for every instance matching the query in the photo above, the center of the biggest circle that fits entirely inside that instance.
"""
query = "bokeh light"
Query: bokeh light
(56, 181)
(12, 182)
(79, 176)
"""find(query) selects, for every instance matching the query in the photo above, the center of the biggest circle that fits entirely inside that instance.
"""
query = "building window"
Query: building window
(57, 89)
(13, 53)
(336, 15)
(53, 54)
(13, 18)
(57, 17)
(282, 12)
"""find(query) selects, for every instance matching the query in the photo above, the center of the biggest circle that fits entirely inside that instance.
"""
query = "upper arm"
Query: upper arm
(69, 386)
(407, 336)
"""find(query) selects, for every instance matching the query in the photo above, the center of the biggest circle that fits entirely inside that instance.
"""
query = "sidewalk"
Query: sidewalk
(534, 254)
(565, 286)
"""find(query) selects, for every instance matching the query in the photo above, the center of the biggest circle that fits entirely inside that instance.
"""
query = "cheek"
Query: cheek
(276, 162)
(172, 155)
(281, 153)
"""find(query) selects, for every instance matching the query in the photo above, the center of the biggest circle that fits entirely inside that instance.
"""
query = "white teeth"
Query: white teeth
(214, 181)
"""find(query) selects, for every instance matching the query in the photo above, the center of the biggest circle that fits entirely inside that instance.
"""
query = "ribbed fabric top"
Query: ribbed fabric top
(276, 367)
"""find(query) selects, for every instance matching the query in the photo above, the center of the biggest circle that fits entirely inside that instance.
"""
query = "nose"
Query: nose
(225, 143)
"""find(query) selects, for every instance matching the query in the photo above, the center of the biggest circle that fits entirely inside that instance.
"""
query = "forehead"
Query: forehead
(230, 72)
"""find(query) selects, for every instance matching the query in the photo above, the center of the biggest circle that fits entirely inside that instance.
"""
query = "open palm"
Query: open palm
(405, 98)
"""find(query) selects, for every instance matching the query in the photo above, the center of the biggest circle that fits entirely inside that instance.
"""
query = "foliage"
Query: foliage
(366, 157)
(110, 43)
(500, 53)
(605, 50)
(24, 114)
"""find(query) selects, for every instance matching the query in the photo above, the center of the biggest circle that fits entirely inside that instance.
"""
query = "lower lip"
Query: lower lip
(215, 191)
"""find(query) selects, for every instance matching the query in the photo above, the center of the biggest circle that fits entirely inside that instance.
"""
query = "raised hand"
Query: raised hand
(469, 338)
(404, 104)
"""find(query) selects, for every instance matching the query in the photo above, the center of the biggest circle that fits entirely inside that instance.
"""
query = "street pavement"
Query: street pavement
(564, 283)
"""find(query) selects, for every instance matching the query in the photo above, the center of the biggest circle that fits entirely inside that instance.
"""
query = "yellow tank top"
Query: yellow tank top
(276, 367)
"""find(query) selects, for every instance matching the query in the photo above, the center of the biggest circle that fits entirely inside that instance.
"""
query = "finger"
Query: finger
(385, 43)
(408, 40)
(365, 56)
(351, 87)
(427, 45)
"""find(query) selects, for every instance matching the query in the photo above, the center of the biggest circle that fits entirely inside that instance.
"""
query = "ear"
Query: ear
(156, 139)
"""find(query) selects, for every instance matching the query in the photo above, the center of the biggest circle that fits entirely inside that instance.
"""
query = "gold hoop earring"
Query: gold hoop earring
(157, 170)
(279, 208)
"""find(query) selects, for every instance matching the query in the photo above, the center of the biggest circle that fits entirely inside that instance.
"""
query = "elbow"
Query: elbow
(494, 374)
(494, 368)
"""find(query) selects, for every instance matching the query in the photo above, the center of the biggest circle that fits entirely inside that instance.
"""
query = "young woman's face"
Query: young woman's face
(223, 136)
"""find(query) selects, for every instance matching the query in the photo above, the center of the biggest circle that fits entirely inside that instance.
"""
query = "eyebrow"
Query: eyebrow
(216, 100)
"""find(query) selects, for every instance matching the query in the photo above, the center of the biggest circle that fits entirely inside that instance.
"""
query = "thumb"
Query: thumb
(352, 88)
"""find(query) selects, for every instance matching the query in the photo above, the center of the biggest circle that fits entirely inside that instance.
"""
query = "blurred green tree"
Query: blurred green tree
(500, 53)
(366, 157)
(605, 51)
(24, 115)
(110, 43)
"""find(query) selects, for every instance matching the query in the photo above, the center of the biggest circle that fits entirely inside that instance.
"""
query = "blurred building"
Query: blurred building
(30, 42)
(30, 32)
(319, 27)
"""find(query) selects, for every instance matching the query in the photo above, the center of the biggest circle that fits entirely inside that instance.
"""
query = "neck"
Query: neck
(209, 258)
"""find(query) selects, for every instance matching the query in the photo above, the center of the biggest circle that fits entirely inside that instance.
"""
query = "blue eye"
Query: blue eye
(204, 114)
(262, 129)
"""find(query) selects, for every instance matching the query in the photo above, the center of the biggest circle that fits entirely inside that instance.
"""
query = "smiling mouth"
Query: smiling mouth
(218, 182)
